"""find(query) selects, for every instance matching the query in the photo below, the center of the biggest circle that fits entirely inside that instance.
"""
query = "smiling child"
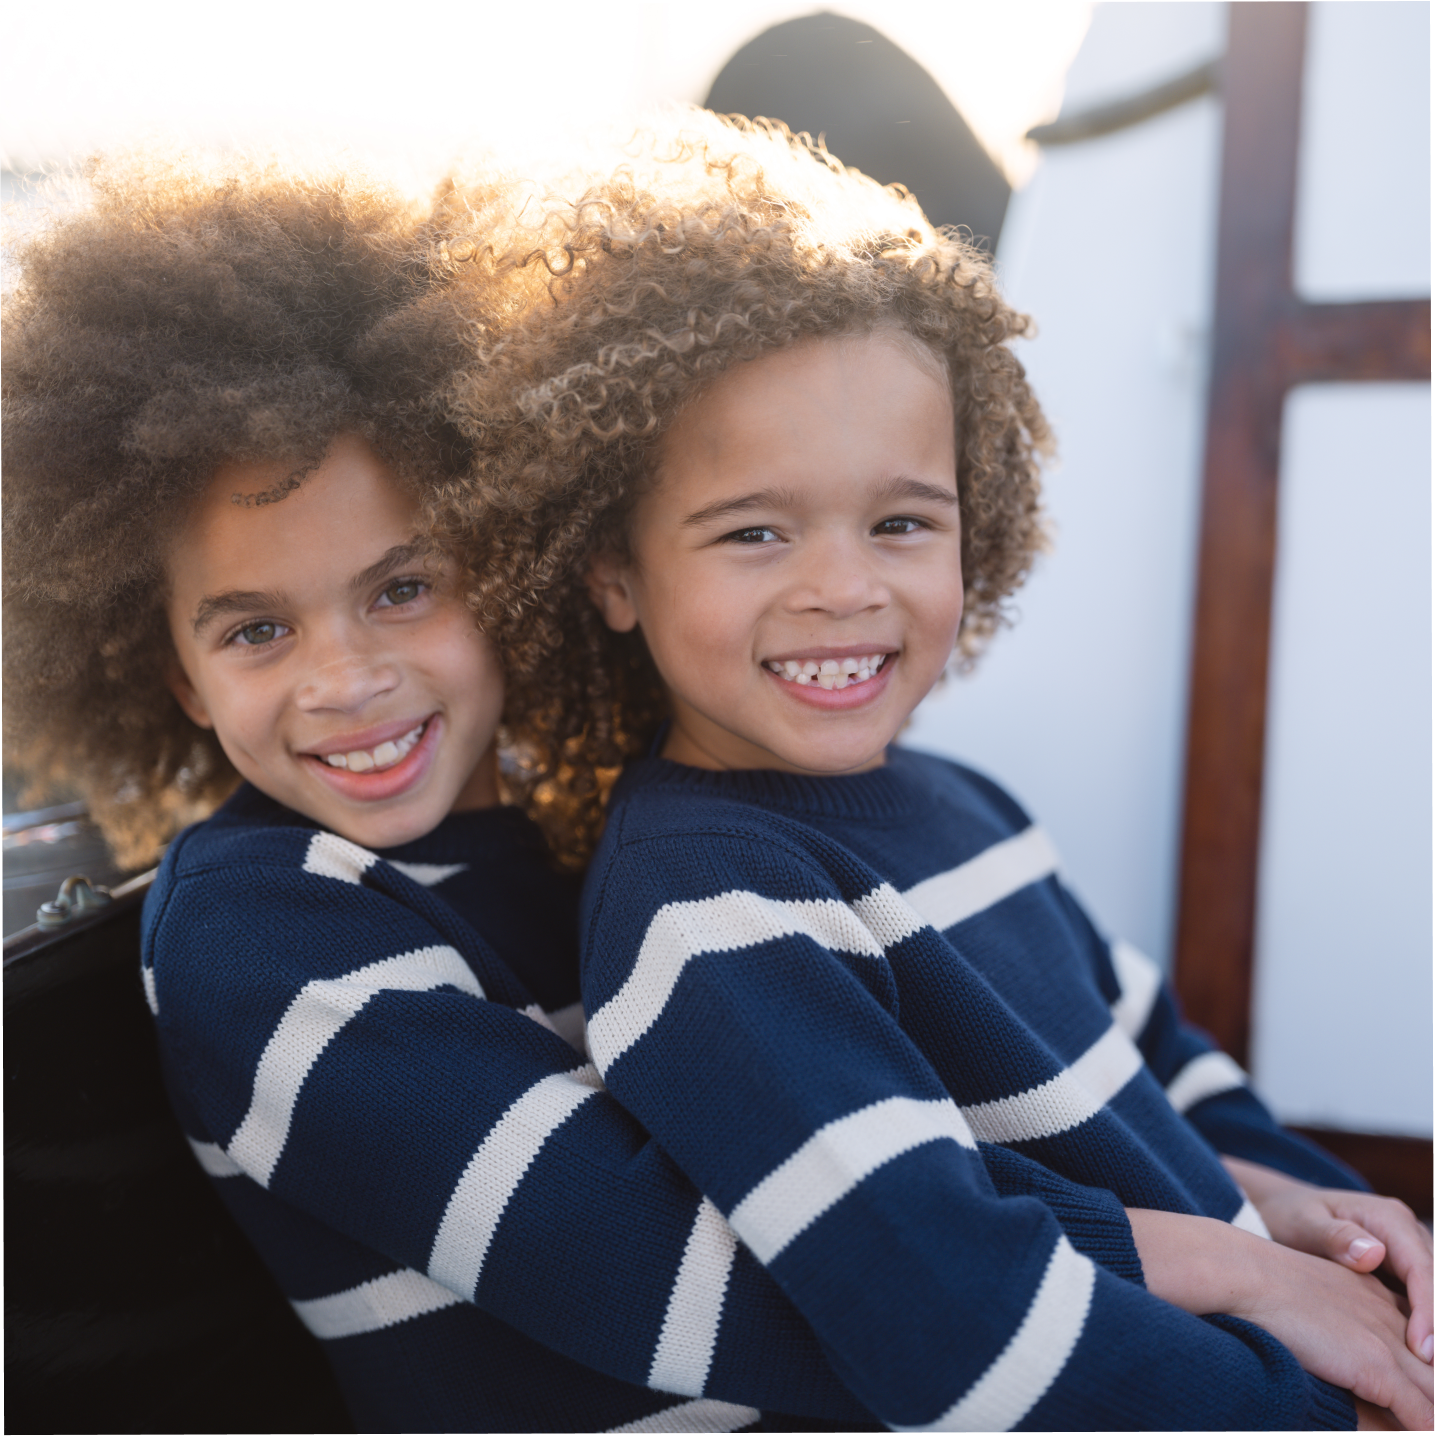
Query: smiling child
(358, 693)
(775, 437)
(220, 434)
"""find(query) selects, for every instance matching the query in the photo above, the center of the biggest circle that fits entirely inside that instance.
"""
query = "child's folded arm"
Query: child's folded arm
(1343, 1325)
(1307, 1198)
(1208, 1087)
(337, 1049)
(745, 1016)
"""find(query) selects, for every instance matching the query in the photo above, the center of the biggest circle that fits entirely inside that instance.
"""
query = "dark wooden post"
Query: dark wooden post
(1226, 727)
(1265, 340)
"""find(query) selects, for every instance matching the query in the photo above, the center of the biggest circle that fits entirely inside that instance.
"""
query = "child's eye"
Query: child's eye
(898, 526)
(402, 592)
(751, 536)
(257, 634)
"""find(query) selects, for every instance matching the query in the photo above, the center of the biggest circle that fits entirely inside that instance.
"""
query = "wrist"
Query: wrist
(1200, 1264)
(1261, 1183)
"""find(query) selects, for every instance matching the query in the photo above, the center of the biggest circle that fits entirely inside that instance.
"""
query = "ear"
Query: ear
(610, 587)
(187, 696)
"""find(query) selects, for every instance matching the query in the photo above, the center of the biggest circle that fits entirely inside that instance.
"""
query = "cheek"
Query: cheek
(935, 603)
(699, 616)
(474, 661)
(249, 722)
(237, 708)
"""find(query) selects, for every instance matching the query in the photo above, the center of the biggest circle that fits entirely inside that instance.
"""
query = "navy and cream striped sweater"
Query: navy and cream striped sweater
(848, 1007)
(481, 1236)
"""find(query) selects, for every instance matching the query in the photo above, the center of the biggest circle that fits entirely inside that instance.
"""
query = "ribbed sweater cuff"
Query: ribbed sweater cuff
(1096, 1224)
(1093, 1219)
(1331, 1408)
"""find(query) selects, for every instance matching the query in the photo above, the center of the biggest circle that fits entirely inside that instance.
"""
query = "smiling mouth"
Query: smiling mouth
(384, 755)
(828, 672)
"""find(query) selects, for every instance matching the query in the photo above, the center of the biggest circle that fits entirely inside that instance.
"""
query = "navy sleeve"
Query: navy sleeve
(1209, 1087)
(1093, 1219)
(744, 1012)
(330, 1026)
(1205, 1084)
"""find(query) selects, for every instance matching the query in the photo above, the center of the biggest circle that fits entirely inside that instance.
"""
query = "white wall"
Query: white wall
(1342, 1009)
(1080, 709)
(1363, 205)
(1342, 1030)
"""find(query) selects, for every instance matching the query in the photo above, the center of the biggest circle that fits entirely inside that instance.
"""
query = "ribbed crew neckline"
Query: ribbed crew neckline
(468, 835)
(895, 790)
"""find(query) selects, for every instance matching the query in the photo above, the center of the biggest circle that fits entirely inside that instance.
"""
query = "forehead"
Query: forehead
(845, 405)
(257, 524)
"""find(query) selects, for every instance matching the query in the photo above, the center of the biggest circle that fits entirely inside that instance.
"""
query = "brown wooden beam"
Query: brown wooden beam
(1387, 339)
(1226, 730)
(1394, 1166)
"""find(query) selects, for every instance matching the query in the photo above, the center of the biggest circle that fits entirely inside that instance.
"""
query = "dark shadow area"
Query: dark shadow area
(877, 108)
(132, 1300)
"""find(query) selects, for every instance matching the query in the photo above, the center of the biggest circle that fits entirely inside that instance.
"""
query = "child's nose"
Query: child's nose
(346, 682)
(838, 576)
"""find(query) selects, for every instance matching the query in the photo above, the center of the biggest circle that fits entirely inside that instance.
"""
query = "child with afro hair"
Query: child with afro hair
(764, 465)
(222, 426)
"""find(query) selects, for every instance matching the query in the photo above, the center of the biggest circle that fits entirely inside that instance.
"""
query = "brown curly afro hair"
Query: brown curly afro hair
(715, 242)
(184, 316)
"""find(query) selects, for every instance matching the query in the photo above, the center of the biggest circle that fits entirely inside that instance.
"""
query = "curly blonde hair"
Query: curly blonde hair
(185, 316)
(716, 241)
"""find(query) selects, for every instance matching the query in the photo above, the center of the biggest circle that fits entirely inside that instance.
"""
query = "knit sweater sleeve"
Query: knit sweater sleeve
(344, 1040)
(745, 1013)
(1209, 1087)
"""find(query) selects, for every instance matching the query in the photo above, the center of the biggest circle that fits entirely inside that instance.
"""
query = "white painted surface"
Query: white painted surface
(1342, 1032)
(1363, 208)
(1342, 1015)
(1080, 709)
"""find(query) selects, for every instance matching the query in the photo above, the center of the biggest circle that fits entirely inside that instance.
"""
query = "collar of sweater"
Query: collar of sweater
(477, 835)
(901, 788)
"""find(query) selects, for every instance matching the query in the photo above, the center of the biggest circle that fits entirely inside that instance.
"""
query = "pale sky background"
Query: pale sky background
(419, 85)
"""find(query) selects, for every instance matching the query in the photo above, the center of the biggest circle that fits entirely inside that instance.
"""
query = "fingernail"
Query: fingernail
(1427, 1348)
(1360, 1246)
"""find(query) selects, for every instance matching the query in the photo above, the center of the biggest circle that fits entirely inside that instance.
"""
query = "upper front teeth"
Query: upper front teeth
(384, 756)
(830, 672)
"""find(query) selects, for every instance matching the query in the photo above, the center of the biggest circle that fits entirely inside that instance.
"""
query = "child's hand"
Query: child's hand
(1344, 1327)
(1356, 1229)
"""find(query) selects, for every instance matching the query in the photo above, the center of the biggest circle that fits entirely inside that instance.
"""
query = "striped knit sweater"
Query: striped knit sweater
(847, 1007)
(481, 1236)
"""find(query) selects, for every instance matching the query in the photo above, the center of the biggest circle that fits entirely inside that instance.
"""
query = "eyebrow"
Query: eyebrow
(725, 508)
(399, 556)
(898, 488)
(234, 600)
(906, 488)
(241, 600)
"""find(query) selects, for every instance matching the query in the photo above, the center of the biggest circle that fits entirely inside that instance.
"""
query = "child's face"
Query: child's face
(804, 514)
(309, 628)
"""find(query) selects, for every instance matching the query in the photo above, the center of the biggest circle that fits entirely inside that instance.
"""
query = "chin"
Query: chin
(833, 764)
(383, 830)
